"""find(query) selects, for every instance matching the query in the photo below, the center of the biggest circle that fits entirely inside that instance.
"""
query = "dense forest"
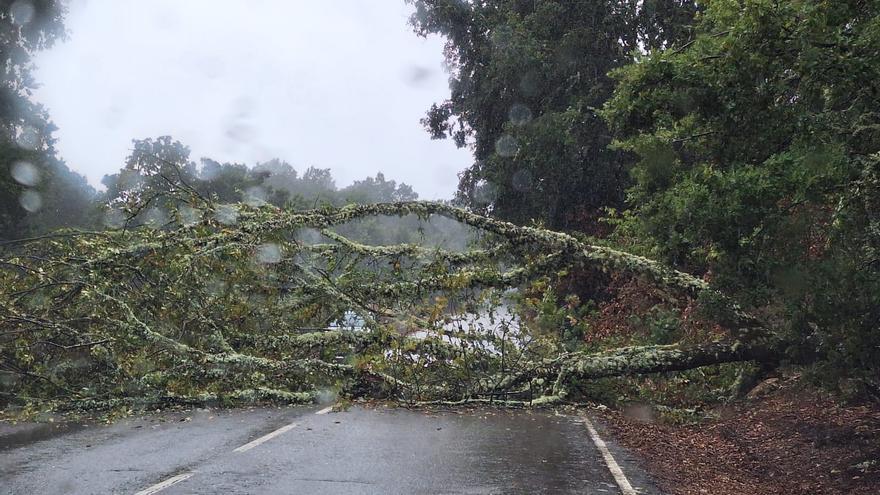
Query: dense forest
(719, 159)
(734, 140)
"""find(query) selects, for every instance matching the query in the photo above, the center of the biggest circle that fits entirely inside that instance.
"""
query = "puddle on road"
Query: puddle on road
(13, 436)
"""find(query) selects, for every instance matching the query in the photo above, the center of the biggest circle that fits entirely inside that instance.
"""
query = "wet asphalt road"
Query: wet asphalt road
(370, 451)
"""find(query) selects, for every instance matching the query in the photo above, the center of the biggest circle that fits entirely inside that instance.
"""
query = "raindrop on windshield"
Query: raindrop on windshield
(639, 412)
(506, 145)
(8, 381)
(327, 396)
(25, 173)
(485, 193)
(189, 216)
(28, 138)
(502, 37)
(114, 219)
(209, 170)
(21, 12)
(255, 196)
(520, 114)
(268, 253)
(210, 67)
(239, 131)
(238, 126)
(522, 180)
(418, 76)
(226, 214)
(31, 201)
(530, 83)
(131, 180)
(215, 287)
(155, 217)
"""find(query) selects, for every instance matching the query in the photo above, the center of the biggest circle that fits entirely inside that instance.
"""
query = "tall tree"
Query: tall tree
(37, 189)
(377, 190)
(526, 79)
(758, 163)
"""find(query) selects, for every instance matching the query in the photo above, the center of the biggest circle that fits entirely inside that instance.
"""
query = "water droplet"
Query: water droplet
(530, 83)
(226, 214)
(417, 75)
(131, 180)
(522, 180)
(28, 138)
(326, 396)
(22, 12)
(240, 131)
(114, 218)
(31, 201)
(155, 217)
(209, 170)
(506, 145)
(255, 196)
(113, 116)
(215, 287)
(25, 173)
(639, 412)
(269, 253)
(39, 301)
(502, 37)
(8, 381)
(571, 54)
(309, 236)
(238, 126)
(189, 216)
(485, 193)
(520, 114)
(211, 67)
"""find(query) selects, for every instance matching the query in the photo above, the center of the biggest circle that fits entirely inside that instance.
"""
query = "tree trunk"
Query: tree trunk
(654, 359)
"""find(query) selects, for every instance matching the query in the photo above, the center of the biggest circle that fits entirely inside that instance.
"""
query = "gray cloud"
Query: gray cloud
(339, 84)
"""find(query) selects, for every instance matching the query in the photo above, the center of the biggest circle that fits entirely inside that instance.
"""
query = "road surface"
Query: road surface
(313, 451)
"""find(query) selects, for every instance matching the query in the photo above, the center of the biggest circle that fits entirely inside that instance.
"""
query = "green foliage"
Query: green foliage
(670, 397)
(758, 150)
(564, 318)
(661, 326)
(213, 308)
(210, 309)
(526, 79)
(37, 190)
(159, 176)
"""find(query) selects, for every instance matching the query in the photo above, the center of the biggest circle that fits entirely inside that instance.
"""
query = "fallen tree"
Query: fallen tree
(210, 310)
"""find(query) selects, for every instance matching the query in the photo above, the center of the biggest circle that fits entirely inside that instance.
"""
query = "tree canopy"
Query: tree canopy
(758, 153)
(527, 79)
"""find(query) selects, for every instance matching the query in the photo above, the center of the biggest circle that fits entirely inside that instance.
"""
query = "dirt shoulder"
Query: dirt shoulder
(785, 439)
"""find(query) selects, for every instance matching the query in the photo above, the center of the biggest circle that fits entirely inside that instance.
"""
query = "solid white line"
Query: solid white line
(265, 438)
(165, 484)
(619, 477)
(325, 410)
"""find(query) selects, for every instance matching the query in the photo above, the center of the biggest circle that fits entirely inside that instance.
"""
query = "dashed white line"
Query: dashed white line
(265, 438)
(325, 410)
(165, 484)
(625, 487)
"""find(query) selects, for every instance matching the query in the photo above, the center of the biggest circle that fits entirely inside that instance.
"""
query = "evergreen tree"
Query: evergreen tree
(527, 77)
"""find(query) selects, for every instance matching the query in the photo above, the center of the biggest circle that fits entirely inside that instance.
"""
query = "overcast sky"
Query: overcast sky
(330, 83)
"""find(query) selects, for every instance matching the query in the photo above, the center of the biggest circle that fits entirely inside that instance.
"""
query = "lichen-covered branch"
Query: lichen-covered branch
(209, 312)
(656, 359)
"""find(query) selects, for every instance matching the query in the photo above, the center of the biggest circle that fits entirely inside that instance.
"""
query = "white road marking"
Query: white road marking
(265, 438)
(158, 487)
(625, 487)
(325, 410)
